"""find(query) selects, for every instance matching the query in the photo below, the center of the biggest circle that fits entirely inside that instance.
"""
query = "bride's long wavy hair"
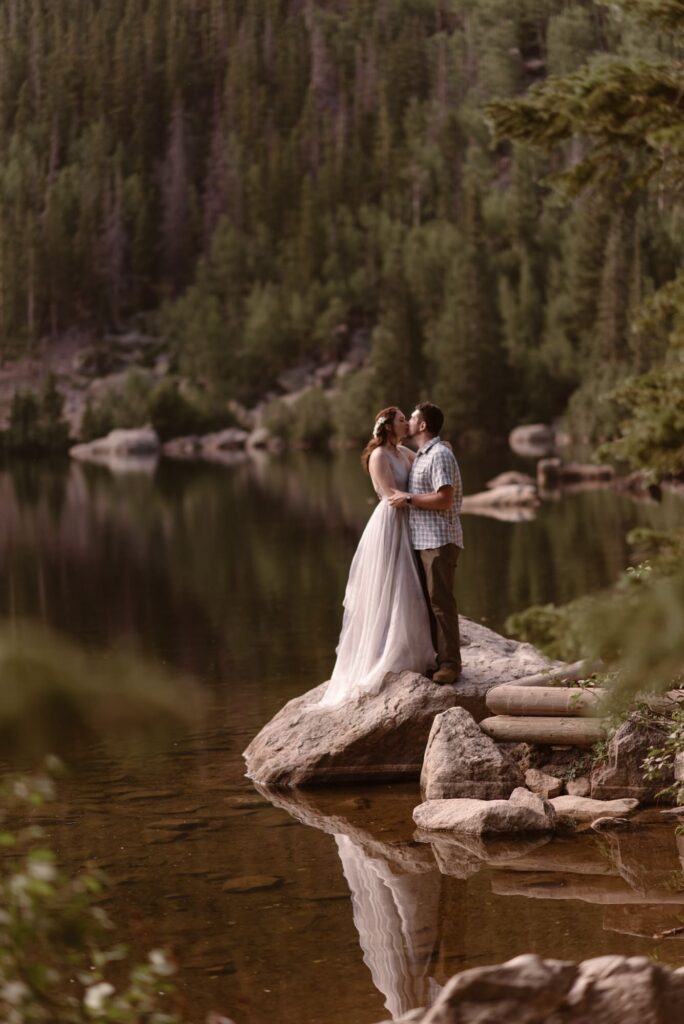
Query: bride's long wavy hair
(381, 432)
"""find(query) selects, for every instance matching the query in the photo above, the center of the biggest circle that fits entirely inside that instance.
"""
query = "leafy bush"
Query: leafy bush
(36, 422)
(312, 419)
(163, 405)
(278, 418)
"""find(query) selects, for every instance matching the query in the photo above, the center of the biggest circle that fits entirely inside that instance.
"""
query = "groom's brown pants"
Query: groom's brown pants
(437, 569)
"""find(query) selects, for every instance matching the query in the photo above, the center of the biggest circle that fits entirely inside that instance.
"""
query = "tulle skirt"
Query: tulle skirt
(385, 627)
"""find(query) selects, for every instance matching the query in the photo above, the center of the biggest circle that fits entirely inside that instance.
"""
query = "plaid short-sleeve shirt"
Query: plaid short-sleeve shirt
(433, 467)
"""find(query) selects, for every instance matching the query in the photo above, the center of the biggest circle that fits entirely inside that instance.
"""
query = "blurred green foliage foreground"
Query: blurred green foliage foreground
(60, 961)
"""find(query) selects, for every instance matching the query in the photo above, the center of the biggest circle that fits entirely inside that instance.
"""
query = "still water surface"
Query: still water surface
(224, 584)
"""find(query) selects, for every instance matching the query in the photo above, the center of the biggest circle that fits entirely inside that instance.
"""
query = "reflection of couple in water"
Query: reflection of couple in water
(399, 608)
(395, 891)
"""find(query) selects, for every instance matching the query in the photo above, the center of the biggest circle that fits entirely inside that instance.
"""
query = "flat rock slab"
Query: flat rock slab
(382, 737)
(522, 812)
(582, 808)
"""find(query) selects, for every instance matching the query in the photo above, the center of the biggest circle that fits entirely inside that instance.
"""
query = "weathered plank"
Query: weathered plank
(570, 701)
(569, 732)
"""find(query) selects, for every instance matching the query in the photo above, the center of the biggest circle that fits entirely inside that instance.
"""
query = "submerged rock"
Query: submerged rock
(382, 737)
(522, 812)
(461, 761)
(529, 990)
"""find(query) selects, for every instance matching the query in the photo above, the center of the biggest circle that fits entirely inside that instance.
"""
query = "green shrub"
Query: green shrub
(36, 422)
(278, 418)
(312, 419)
(162, 404)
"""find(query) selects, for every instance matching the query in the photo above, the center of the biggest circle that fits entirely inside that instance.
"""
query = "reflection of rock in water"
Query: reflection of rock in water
(395, 888)
(396, 917)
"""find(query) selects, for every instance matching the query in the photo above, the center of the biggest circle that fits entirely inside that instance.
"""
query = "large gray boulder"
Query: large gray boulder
(623, 775)
(382, 737)
(529, 990)
(522, 812)
(461, 761)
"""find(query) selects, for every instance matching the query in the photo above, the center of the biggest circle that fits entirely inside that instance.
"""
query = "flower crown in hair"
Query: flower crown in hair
(380, 422)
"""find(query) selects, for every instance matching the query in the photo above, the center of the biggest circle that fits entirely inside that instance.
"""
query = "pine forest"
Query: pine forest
(265, 181)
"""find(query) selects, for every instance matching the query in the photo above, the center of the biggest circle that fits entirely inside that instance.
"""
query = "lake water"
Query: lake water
(212, 594)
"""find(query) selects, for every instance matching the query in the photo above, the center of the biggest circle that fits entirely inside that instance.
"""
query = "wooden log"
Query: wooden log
(567, 732)
(601, 889)
(571, 701)
(564, 674)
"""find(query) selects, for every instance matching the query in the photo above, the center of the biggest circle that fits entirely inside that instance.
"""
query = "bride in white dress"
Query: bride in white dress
(385, 626)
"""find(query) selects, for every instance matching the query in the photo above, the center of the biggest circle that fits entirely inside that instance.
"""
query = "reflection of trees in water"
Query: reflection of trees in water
(242, 569)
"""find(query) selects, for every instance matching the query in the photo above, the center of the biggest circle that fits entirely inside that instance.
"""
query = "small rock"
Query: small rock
(580, 786)
(183, 447)
(532, 439)
(511, 478)
(611, 824)
(259, 438)
(544, 785)
(578, 808)
(252, 883)
(230, 439)
(511, 495)
(461, 761)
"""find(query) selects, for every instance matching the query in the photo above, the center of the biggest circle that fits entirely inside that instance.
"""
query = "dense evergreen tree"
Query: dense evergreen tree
(264, 178)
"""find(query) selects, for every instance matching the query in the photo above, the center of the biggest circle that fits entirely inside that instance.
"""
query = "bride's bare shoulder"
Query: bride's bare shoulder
(407, 451)
(377, 455)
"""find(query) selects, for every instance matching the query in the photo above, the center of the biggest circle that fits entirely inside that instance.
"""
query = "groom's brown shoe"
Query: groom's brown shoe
(446, 675)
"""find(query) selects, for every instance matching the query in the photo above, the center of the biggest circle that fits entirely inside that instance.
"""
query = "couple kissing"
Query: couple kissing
(400, 613)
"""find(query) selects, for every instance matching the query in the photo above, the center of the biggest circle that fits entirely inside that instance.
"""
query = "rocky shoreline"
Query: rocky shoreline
(521, 808)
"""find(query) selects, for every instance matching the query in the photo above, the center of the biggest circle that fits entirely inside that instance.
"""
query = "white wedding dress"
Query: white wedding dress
(385, 627)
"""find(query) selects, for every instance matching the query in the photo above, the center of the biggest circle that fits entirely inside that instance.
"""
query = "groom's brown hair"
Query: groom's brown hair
(432, 415)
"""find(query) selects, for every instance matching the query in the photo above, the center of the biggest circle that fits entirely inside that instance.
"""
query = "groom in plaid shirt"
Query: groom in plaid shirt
(434, 500)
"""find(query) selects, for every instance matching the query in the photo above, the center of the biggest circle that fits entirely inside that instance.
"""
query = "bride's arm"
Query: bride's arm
(381, 473)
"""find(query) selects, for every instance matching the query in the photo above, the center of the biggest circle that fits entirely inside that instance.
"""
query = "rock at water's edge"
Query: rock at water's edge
(382, 737)
(522, 812)
(461, 761)
(623, 776)
(580, 808)
(529, 990)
